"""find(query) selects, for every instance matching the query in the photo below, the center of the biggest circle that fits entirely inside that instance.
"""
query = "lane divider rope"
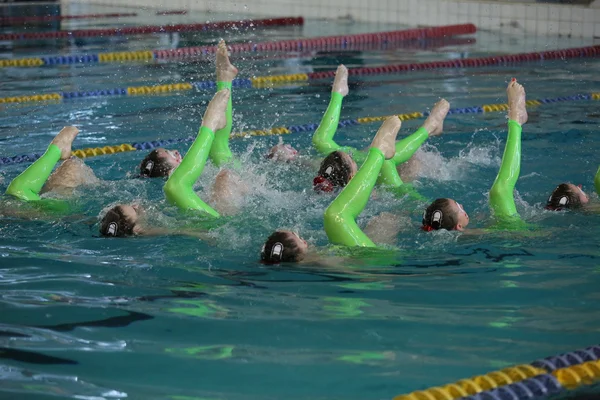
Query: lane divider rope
(540, 379)
(270, 81)
(148, 145)
(144, 30)
(318, 43)
(47, 18)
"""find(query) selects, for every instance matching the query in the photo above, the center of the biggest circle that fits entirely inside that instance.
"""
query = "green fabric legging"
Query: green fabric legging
(340, 216)
(502, 199)
(597, 182)
(29, 183)
(220, 153)
(179, 189)
(323, 141)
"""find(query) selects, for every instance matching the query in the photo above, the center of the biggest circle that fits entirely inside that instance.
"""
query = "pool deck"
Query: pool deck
(510, 17)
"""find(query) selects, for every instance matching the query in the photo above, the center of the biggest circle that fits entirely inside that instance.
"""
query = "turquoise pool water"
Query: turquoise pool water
(178, 318)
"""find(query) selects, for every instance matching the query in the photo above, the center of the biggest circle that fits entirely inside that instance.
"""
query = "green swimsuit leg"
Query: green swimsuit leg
(179, 189)
(389, 175)
(340, 216)
(220, 153)
(29, 183)
(407, 147)
(597, 182)
(323, 137)
(502, 200)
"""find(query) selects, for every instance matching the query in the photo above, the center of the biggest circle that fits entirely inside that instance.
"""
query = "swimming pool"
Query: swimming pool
(177, 318)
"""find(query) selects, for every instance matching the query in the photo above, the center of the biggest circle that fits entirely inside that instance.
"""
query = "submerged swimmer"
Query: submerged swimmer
(38, 178)
(340, 163)
(340, 217)
(282, 152)
(445, 213)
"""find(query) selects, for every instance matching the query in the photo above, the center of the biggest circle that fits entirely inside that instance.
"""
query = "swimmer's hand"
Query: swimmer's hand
(64, 139)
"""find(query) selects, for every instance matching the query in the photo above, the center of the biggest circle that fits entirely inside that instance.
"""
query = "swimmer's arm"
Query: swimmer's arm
(204, 236)
(340, 216)
(592, 207)
(22, 214)
(474, 232)
(502, 200)
(29, 183)
(44, 210)
(513, 228)
(323, 137)
(329, 264)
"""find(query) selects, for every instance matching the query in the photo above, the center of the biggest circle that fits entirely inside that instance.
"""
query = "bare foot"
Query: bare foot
(434, 124)
(226, 72)
(385, 139)
(517, 109)
(64, 139)
(340, 83)
(214, 116)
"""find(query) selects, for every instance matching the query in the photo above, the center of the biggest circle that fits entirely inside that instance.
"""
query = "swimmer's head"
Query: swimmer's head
(335, 171)
(70, 174)
(283, 246)
(566, 195)
(160, 163)
(119, 221)
(445, 214)
(282, 152)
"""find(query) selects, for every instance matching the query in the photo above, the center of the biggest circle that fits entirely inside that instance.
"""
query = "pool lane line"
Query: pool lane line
(543, 377)
(148, 145)
(270, 81)
(184, 53)
(48, 18)
(171, 12)
(150, 29)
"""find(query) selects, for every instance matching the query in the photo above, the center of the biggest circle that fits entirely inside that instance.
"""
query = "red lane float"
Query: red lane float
(428, 45)
(46, 18)
(591, 51)
(325, 43)
(141, 30)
